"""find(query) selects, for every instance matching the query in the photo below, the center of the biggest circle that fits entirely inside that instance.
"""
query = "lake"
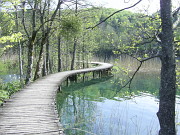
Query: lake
(10, 77)
(101, 107)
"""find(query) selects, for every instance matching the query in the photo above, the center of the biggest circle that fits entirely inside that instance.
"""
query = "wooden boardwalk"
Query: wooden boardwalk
(31, 111)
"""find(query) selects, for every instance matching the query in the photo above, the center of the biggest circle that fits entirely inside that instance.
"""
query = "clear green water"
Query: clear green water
(94, 108)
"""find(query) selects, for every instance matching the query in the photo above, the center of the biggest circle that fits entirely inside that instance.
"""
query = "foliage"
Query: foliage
(9, 3)
(7, 89)
(8, 37)
(7, 23)
(8, 67)
(15, 37)
(133, 33)
(3, 68)
(124, 33)
(71, 26)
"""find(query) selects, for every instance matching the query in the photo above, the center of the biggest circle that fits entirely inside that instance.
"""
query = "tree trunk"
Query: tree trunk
(30, 62)
(59, 47)
(166, 113)
(20, 64)
(59, 54)
(47, 60)
(44, 70)
(39, 65)
(45, 36)
(67, 54)
(74, 54)
(31, 40)
(20, 48)
(75, 42)
(83, 52)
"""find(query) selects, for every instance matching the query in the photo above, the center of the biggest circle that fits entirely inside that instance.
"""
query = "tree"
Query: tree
(37, 30)
(75, 41)
(45, 34)
(59, 45)
(167, 93)
(19, 45)
(71, 27)
(31, 37)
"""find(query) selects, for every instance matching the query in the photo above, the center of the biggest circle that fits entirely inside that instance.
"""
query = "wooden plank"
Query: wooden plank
(32, 110)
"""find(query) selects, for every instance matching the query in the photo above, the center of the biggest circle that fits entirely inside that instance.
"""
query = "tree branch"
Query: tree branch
(152, 57)
(177, 41)
(114, 14)
(146, 42)
(128, 83)
(52, 17)
(23, 19)
(176, 16)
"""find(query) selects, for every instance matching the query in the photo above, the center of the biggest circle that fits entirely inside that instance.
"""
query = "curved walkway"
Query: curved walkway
(31, 111)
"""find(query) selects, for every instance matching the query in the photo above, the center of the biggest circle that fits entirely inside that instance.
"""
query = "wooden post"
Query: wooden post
(100, 73)
(93, 74)
(67, 82)
(83, 77)
(73, 78)
(105, 72)
(109, 71)
(59, 88)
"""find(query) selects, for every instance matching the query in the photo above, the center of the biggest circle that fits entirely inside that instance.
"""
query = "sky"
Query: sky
(146, 6)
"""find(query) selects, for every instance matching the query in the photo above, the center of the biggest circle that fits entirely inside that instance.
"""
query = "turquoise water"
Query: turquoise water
(101, 107)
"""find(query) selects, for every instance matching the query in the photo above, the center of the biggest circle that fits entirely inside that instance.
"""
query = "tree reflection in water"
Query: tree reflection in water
(93, 107)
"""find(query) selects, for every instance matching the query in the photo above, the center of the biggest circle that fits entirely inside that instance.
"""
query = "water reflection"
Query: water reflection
(94, 107)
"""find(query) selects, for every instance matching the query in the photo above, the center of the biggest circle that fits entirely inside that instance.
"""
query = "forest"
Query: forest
(49, 40)
(40, 37)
